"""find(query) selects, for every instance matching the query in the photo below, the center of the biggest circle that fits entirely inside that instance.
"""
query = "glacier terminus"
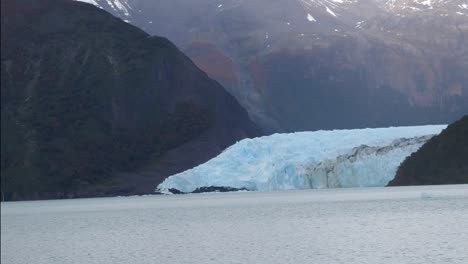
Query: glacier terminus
(307, 160)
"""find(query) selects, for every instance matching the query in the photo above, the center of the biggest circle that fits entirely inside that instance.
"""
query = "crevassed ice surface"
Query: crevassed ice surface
(320, 159)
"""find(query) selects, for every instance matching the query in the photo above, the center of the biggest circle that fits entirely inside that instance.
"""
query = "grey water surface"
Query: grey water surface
(354, 226)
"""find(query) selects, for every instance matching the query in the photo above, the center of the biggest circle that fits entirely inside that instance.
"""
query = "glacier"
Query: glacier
(307, 160)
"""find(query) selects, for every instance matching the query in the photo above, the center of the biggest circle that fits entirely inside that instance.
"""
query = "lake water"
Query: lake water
(353, 226)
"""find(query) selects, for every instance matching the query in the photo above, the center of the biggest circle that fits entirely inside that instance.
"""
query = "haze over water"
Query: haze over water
(353, 226)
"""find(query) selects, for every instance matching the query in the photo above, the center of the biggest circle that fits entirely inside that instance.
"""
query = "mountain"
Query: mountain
(300, 65)
(306, 160)
(94, 106)
(442, 160)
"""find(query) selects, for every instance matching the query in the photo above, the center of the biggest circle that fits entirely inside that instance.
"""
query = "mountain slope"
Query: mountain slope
(442, 160)
(94, 106)
(322, 64)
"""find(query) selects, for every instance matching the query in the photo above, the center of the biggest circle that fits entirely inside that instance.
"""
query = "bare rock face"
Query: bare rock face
(94, 106)
(442, 160)
(320, 64)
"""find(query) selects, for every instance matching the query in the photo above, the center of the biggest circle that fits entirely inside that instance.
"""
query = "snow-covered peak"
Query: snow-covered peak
(93, 2)
(424, 5)
(336, 7)
(122, 7)
(328, 6)
(344, 11)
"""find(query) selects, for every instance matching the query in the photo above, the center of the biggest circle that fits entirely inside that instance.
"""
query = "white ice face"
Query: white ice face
(320, 159)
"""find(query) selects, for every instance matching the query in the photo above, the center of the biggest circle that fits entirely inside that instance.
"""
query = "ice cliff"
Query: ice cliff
(320, 159)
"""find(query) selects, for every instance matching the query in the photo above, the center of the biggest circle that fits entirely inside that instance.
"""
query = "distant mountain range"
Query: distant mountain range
(322, 64)
(94, 106)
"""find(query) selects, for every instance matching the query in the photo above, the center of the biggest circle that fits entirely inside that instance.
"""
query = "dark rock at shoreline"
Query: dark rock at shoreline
(442, 160)
(209, 189)
(218, 189)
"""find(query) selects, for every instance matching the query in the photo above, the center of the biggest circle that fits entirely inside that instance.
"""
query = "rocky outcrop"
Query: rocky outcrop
(442, 160)
(205, 190)
(93, 106)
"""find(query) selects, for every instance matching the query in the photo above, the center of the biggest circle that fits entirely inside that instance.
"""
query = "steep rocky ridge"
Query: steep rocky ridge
(442, 160)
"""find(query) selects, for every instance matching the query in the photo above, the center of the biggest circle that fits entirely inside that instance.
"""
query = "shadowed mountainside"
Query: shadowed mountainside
(442, 160)
(93, 106)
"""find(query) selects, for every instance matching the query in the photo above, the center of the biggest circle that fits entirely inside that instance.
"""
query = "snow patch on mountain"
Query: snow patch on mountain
(320, 159)
(120, 6)
(359, 24)
(311, 18)
(93, 2)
